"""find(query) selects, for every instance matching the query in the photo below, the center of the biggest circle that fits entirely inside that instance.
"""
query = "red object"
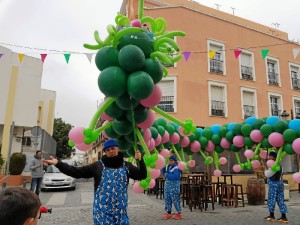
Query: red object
(43, 209)
(167, 216)
(177, 216)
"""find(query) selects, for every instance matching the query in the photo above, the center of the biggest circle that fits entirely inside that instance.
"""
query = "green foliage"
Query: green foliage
(1, 160)
(17, 163)
(60, 134)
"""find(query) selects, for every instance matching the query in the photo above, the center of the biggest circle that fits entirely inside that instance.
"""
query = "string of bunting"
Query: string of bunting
(186, 54)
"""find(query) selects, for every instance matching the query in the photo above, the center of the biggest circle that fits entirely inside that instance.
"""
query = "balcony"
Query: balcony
(217, 108)
(166, 104)
(249, 111)
(247, 73)
(276, 112)
(273, 78)
(216, 66)
(296, 83)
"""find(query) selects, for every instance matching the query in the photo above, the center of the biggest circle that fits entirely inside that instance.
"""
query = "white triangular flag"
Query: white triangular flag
(89, 56)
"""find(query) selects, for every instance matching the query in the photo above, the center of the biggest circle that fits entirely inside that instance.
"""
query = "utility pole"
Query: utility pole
(217, 6)
(12, 127)
(232, 10)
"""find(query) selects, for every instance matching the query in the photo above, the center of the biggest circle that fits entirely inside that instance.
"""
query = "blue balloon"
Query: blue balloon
(175, 125)
(215, 128)
(294, 124)
(230, 126)
(200, 130)
(250, 120)
(272, 120)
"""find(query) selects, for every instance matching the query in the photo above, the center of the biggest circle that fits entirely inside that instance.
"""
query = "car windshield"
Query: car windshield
(52, 169)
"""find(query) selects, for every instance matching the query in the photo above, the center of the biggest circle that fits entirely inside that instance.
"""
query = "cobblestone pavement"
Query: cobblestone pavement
(75, 207)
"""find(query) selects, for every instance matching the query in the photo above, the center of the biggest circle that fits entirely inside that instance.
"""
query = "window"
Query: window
(217, 94)
(246, 63)
(295, 76)
(249, 102)
(273, 71)
(167, 102)
(275, 104)
(296, 102)
(217, 63)
(26, 141)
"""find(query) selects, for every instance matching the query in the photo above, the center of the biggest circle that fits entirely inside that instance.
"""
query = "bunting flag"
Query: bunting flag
(211, 54)
(296, 52)
(67, 57)
(1, 55)
(264, 53)
(89, 56)
(237, 53)
(186, 55)
(21, 56)
(43, 57)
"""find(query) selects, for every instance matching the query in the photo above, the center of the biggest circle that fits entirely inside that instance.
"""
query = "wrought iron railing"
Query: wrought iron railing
(247, 73)
(273, 78)
(216, 66)
(166, 104)
(217, 108)
(249, 111)
(276, 112)
(296, 83)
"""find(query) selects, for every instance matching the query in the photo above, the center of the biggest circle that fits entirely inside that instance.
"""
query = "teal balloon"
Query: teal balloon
(222, 131)
(207, 133)
(246, 129)
(280, 126)
(114, 111)
(131, 58)
(229, 136)
(154, 69)
(126, 102)
(248, 142)
(161, 130)
(289, 135)
(258, 123)
(161, 121)
(237, 129)
(138, 115)
(219, 149)
(203, 141)
(122, 127)
(106, 57)
(216, 139)
(250, 120)
(140, 85)
(288, 149)
(112, 133)
(272, 120)
(266, 130)
(112, 82)
(154, 132)
(170, 129)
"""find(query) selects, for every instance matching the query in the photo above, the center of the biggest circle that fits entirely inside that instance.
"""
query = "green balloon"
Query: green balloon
(154, 69)
(122, 127)
(203, 141)
(246, 129)
(258, 123)
(114, 111)
(161, 121)
(280, 126)
(167, 145)
(265, 143)
(219, 149)
(139, 85)
(216, 139)
(188, 151)
(207, 133)
(192, 137)
(161, 130)
(288, 149)
(222, 131)
(126, 102)
(139, 114)
(237, 129)
(170, 128)
(106, 57)
(233, 148)
(266, 130)
(289, 135)
(248, 142)
(131, 58)
(112, 133)
(112, 82)
(197, 135)
(229, 136)
(130, 138)
(142, 40)
(125, 154)
(131, 152)
(154, 132)
(124, 145)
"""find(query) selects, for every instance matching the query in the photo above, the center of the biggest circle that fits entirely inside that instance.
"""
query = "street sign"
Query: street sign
(36, 131)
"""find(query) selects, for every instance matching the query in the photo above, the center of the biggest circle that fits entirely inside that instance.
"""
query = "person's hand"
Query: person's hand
(138, 155)
(51, 161)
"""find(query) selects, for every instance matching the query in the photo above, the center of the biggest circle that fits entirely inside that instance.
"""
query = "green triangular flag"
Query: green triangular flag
(264, 53)
(67, 57)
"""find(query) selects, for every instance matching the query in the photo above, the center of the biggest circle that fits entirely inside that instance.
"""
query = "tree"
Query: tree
(60, 134)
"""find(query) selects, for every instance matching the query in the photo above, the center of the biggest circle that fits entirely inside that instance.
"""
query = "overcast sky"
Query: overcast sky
(64, 25)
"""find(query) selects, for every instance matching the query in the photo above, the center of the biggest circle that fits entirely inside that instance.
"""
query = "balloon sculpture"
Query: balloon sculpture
(131, 61)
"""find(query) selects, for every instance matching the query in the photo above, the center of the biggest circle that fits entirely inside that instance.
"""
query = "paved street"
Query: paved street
(75, 207)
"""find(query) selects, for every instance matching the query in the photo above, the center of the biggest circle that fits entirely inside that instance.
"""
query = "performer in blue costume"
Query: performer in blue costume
(111, 175)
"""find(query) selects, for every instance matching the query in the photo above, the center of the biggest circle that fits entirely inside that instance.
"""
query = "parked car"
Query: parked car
(54, 179)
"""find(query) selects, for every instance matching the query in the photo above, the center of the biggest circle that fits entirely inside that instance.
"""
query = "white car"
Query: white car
(54, 179)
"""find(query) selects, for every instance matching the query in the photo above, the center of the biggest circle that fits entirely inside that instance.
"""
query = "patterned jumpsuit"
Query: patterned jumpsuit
(111, 197)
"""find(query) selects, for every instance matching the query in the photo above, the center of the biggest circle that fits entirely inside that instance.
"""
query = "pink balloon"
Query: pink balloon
(195, 146)
(223, 160)
(152, 183)
(236, 168)
(147, 135)
(184, 142)
(296, 146)
(276, 139)
(249, 154)
(104, 116)
(296, 177)
(270, 163)
(76, 135)
(158, 140)
(148, 122)
(152, 144)
(210, 147)
(137, 188)
(256, 136)
(181, 165)
(255, 164)
(217, 173)
(83, 147)
(263, 154)
(160, 162)
(180, 130)
(192, 163)
(136, 23)
(154, 173)
(238, 141)
(165, 138)
(154, 97)
(174, 139)
(105, 135)
(225, 143)
(165, 153)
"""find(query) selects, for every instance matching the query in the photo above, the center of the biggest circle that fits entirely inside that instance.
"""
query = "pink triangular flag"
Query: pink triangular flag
(89, 56)
(1, 55)
(186, 55)
(21, 56)
(237, 53)
(43, 57)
